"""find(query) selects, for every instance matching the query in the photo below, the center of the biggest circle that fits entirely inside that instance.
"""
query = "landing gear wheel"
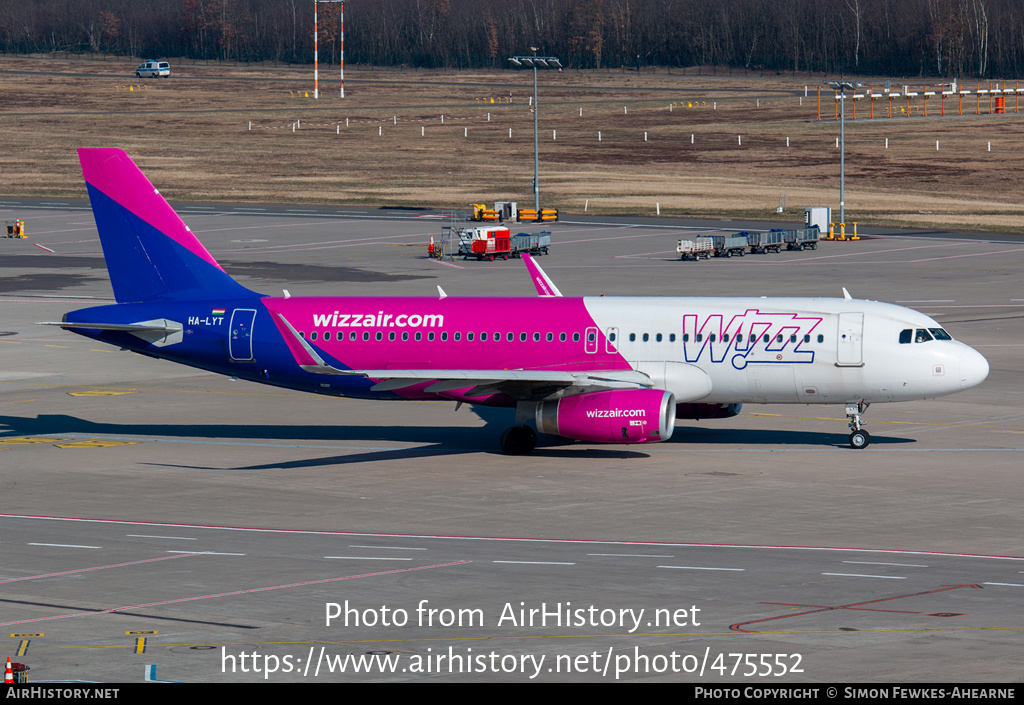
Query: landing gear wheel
(518, 440)
(860, 439)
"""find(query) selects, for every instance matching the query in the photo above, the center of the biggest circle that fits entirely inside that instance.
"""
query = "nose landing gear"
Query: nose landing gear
(859, 438)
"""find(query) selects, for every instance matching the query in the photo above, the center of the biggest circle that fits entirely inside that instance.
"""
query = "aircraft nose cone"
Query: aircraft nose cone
(973, 368)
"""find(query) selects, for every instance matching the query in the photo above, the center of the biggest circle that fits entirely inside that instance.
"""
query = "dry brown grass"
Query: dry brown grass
(190, 134)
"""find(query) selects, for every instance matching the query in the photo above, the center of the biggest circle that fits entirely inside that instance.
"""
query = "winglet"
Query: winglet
(545, 287)
(846, 294)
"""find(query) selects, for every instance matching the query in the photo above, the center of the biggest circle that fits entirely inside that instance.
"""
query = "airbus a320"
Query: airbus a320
(596, 369)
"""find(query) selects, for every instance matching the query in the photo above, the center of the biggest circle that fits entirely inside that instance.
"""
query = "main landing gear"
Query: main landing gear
(859, 438)
(518, 440)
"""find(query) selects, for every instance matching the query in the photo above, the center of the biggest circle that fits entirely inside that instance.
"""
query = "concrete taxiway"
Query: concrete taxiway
(155, 515)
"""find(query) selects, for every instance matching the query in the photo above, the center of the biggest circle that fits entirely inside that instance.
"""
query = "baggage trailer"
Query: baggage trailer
(805, 237)
(766, 241)
(536, 244)
(484, 242)
(729, 245)
(701, 248)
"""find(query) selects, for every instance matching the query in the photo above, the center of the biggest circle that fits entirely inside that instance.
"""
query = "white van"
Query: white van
(153, 69)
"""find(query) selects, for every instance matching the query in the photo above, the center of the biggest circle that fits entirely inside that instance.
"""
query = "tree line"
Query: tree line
(905, 38)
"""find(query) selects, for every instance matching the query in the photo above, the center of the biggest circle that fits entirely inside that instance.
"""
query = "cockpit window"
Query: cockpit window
(940, 334)
(906, 336)
(922, 336)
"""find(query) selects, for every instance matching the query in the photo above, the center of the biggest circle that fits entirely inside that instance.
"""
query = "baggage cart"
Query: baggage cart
(766, 241)
(805, 237)
(729, 245)
(701, 248)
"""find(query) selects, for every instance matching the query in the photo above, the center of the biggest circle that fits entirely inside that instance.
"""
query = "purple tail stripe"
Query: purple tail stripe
(113, 172)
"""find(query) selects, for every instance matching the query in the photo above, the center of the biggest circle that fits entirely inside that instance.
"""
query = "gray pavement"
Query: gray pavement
(145, 500)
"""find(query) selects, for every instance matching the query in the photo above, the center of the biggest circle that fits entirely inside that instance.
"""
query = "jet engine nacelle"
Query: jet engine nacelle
(616, 416)
(707, 411)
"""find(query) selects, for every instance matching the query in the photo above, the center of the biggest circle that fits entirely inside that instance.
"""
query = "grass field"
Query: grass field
(720, 149)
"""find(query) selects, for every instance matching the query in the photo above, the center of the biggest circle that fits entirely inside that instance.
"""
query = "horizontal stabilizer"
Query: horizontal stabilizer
(128, 327)
(158, 332)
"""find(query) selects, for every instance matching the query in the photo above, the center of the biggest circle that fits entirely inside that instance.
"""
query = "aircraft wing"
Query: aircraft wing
(519, 384)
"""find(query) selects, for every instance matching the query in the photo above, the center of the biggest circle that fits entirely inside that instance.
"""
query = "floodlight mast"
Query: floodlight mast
(842, 87)
(545, 62)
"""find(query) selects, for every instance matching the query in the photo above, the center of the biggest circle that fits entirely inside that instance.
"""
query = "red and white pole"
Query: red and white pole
(342, 45)
(316, 66)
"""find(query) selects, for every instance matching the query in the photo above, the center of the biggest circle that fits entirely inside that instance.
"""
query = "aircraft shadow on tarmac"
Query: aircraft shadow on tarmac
(437, 440)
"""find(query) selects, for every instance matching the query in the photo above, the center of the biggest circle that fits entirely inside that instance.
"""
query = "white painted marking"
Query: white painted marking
(694, 567)
(147, 536)
(858, 575)
(534, 562)
(62, 545)
(631, 555)
(392, 548)
(1005, 584)
(208, 553)
(365, 558)
(904, 565)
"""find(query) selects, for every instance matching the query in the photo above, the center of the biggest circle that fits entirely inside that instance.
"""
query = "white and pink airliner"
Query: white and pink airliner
(596, 369)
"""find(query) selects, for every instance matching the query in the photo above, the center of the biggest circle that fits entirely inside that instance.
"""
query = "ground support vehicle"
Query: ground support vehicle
(16, 228)
(535, 243)
(799, 239)
(484, 242)
(531, 215)
(701, 248)
(153, 69)
(765, 241)
(729, 245)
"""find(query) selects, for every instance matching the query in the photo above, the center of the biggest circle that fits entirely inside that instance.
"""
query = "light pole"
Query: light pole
(842, 87)
(547, 62)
